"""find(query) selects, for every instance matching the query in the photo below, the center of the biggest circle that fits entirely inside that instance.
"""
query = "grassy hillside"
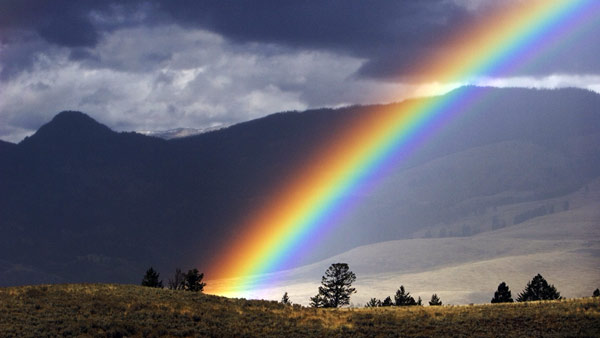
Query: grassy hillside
(101, 310)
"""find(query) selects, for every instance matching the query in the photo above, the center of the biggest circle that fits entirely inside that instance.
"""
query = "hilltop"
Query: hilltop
(103, 310)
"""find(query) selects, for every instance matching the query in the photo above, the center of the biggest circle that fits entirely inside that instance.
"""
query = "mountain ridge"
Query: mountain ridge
(116, 203)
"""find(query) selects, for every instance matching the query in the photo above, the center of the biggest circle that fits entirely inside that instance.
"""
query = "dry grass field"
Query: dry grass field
(100, 310)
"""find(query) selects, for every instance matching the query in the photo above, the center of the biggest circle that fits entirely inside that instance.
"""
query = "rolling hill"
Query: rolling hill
(563, 246)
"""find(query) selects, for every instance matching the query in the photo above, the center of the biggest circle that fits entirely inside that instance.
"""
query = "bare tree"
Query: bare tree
(178, 280)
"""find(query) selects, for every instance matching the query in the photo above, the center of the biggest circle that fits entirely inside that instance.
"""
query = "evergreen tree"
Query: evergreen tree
(151, 279)
(435, 300)
(178, 281)
(317, 301)
(374, 302)
(596, 293)
(336, 286)
(538, 289)
(403, 298)
(193, 281)
(419, 301)
(285, 300)
(503, 295)
(387, 301)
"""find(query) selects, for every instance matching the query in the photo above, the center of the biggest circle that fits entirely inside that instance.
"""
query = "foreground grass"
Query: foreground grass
(100, 310)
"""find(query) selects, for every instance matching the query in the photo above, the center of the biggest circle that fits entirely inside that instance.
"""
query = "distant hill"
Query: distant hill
(80, 202)
(562, 244)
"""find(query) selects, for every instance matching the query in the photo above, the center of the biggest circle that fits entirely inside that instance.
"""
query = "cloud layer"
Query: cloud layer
(163, 64)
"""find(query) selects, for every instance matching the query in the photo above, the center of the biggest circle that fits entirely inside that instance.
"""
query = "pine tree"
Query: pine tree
(193, 281)
(374, 302)
(435, 300)
(403, 298)
(596, 293)
(538, 289)
(317, 301)
(336, 286)
(503, 295)
(151, 279)
(285, 300)
(387, 301)
(419, 301)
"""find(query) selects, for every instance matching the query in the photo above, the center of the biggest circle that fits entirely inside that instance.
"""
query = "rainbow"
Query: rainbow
(318, 196)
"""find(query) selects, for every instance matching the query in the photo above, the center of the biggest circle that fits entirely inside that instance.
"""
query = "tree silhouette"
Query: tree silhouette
(178, 281)
(403, 298)
(596, 293)
(317, 301)
(374, 302)
(435, 300)
(336, 286)
(151, 279)
(503, 294)
(285, 300)
(387, 301)
(193, 281)
(538, 289)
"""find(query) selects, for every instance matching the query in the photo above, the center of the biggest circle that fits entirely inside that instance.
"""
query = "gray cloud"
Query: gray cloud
(204, 80)
(389, 35)
(163, 64)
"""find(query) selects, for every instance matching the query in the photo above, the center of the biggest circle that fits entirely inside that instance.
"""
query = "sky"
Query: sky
(155, 65)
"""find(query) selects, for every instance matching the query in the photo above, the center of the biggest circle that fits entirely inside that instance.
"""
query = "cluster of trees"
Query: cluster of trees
(536, 289)
(336, 289)
(190, 281)
(403, 298)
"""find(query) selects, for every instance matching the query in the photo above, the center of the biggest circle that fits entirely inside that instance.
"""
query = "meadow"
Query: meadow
(108, 310)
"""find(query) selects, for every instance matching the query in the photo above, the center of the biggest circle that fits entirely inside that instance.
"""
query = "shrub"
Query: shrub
(435, 300)
(374, 302)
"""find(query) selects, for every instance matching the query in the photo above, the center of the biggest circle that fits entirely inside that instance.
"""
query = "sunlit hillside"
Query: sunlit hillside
(104, 310)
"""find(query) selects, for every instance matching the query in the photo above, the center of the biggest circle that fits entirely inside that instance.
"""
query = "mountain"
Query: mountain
(80, 202)
(6, 147)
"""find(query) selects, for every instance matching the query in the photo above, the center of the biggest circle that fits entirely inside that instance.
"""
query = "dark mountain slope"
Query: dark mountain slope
(6, 146)
(84, 203)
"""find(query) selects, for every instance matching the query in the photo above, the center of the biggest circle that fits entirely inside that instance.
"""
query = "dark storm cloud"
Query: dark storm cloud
(61, 22)
(388, 35)
(377, 31)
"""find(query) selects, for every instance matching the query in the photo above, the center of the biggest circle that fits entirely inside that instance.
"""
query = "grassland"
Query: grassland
(101, 310)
